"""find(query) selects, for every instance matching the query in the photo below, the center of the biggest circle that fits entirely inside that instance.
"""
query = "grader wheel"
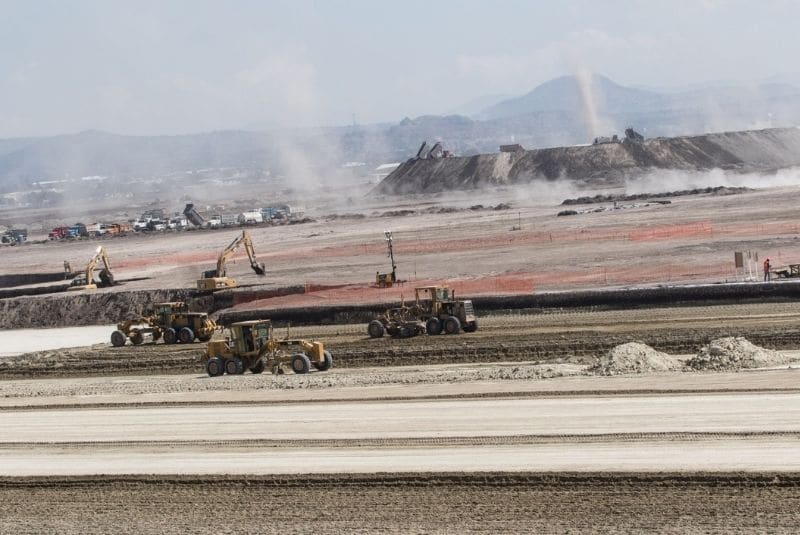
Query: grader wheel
(234, 366)
(215, 367)
(186, 335)
(170, 336)
(433, 326)
(137, 338)
(118, 338)
(375, 329)
(452, 325)
(300, 363)
(326, 363)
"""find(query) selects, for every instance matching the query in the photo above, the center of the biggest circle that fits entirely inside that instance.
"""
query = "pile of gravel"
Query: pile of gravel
(635, 357)
(734, 353)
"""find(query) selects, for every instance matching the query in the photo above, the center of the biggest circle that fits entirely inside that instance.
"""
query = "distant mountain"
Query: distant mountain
(707, 104)
(563, 111)
(475, 106)
(570, 93)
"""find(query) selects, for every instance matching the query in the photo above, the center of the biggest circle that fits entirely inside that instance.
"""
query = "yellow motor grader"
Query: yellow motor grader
(435, 310)
(172, 320)
(253, 346)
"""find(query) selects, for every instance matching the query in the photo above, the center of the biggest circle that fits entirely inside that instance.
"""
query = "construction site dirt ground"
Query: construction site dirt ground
(479, 251)
(510, 428)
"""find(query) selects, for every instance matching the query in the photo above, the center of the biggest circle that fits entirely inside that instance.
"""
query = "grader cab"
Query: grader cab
(253, 346)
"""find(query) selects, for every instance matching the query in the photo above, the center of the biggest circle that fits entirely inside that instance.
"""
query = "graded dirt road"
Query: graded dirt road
(753, 432)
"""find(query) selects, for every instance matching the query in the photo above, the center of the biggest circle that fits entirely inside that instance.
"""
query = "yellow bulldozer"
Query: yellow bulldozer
(172, 320)
(216, 279)
(89, 280)
(253, 346)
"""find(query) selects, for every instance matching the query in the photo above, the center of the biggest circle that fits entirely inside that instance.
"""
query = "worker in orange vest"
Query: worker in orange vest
(766, 270)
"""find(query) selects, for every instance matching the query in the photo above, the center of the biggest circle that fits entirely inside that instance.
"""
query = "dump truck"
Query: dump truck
(171, 320)
(435, 309)
(194, 218)
(58, 233)
(216, 279)
(252, 345)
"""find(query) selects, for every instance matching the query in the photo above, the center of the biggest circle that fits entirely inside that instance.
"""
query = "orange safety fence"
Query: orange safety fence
(503, 284)
(670, 232)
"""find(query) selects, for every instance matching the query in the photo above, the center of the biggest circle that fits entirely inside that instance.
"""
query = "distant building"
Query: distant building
(516, 147)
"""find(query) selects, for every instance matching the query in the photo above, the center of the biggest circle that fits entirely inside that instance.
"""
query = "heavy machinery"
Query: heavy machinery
(435, 310)
(438, 307)
(253, 346)
(788, 272)
(193, 217)
(88, 280)
(397, 322)
(386, 280)
(172, 320)
(215, 279)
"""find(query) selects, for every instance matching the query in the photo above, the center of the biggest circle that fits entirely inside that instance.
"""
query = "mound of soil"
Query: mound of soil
(754, 150)
(734, 353)
(635, 357)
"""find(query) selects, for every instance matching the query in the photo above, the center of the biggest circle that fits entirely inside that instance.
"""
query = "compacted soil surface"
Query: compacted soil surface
(403, 503)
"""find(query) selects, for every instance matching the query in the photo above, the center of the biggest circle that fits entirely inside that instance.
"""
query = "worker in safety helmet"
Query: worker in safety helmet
(766, 269)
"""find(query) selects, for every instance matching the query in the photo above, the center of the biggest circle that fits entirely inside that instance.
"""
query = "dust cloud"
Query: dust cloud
(674, 180)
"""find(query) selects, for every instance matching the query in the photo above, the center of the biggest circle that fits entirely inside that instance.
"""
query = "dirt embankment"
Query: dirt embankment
(20, 279)
(110, 306)
(758, 150)
(84, 308)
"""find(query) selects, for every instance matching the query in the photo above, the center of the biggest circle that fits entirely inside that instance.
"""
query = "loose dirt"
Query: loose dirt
(734, 353)
(635, 357)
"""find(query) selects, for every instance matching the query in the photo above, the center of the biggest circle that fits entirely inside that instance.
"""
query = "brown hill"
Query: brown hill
(754, 150)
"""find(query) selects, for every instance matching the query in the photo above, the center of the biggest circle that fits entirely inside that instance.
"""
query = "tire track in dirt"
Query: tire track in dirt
(577, 337)
(492, 502)
(410, 442)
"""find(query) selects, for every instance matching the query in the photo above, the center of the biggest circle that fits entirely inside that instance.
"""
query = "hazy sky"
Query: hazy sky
(167, 67)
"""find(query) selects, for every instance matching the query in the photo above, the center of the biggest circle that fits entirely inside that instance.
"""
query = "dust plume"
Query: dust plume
(674, 180)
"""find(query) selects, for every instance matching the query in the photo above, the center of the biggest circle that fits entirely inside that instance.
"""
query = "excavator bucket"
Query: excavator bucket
(260, 269)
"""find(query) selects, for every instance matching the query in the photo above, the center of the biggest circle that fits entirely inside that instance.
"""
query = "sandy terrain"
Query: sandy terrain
(426, 423)
(691, 239)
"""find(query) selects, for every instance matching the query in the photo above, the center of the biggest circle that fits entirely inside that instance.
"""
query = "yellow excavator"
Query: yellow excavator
(87, 280)
(215, 279)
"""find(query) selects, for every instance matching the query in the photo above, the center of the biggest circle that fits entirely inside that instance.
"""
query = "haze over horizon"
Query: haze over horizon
(149, 69)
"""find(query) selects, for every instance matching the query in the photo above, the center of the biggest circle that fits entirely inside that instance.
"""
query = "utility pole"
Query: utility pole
(388, 234)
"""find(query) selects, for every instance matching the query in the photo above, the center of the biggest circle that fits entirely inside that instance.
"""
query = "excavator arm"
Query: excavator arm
(90, 265)
(228, 252)
(106, 277)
